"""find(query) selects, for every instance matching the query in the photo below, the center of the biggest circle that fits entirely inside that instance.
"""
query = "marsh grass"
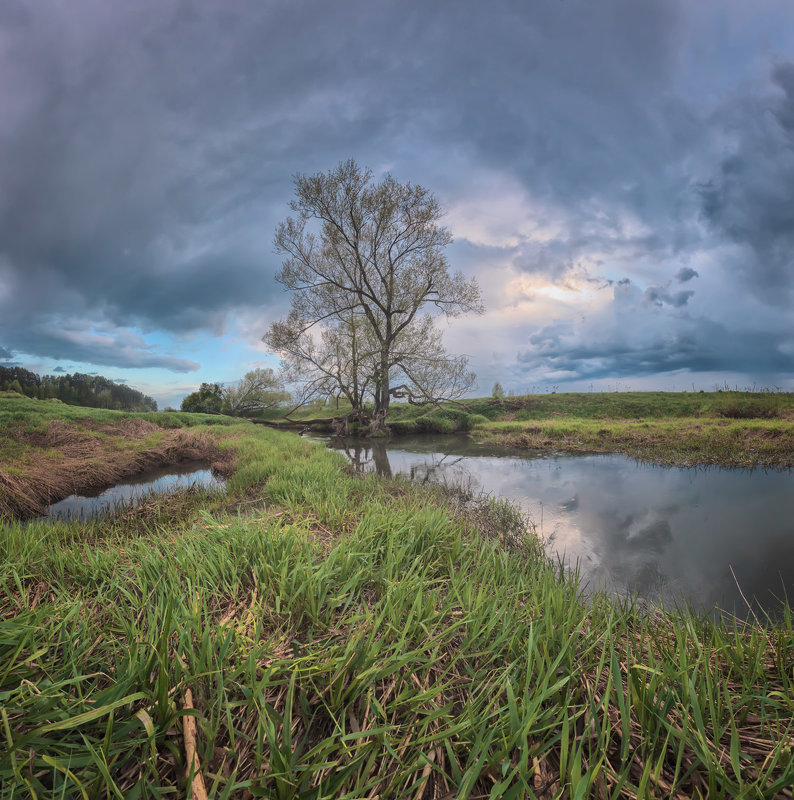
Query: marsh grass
(738, 429)
(681, 442)
(350, 637)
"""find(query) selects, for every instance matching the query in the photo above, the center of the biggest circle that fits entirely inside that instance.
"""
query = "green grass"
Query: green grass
(720, 428)
(637, 405)
(346, 638)
(601, 405)
(35, 415)
(729, 428)
(682, 442)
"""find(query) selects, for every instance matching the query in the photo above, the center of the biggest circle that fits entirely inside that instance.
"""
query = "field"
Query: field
(312, 634)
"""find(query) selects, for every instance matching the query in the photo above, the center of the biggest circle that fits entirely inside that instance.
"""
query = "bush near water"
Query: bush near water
(335, 636)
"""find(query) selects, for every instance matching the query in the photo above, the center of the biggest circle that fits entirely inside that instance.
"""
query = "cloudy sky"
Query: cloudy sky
(619, 175)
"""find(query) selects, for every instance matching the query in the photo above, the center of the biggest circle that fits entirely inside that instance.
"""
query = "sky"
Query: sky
(618, 175)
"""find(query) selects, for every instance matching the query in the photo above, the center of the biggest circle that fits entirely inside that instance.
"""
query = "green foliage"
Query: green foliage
(497, 392)
(259, 390)
(207, 400)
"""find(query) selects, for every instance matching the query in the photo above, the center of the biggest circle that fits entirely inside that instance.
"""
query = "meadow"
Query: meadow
(314, 634)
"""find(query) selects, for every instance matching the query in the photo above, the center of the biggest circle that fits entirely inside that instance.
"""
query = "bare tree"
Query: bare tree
(336, 360)
(258, 390)
(363, 261)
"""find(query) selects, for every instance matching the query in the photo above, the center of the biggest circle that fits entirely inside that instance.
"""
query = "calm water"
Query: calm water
(163, 479)
(660, 532)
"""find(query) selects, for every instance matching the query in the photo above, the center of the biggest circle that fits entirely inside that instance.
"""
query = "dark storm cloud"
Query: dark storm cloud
(686, 274)
(5, 355)
(699, 346)
(632, 337)
(145, 155)
(750, 198)
(660, 295)
(62, 339)
(146, 151)
(59, 370)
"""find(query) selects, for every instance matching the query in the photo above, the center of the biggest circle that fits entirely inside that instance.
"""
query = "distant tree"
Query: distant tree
(361, 283)
(207, 400)
(497, 391)
(258, 390)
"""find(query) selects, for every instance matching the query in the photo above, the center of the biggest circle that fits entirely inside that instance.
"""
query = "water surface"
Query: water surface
(668, 533)
(133, 490)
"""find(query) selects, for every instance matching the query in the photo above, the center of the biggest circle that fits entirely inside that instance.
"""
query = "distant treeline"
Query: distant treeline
(93, 391)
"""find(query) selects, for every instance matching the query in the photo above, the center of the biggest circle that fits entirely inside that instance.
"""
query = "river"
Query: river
(711, 538)
(188, 474)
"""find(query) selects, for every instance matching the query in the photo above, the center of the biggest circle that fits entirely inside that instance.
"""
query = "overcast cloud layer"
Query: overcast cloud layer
(619, 175)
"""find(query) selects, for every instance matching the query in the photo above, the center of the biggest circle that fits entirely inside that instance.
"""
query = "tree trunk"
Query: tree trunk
(382, 397)
(377, 427)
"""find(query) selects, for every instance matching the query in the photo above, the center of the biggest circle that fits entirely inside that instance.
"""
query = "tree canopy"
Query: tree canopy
(207, 400)
(365, 265)
(258, 390)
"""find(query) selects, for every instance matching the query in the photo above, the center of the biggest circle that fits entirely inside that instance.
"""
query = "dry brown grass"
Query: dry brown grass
(67, 459)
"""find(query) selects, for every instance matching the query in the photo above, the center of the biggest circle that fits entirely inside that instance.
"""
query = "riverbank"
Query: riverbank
(336, 636)
(49, 450)
(724, 428)
(672, 442)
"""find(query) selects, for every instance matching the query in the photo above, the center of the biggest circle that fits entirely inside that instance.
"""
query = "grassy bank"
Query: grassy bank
(721, 428)
(49, 450)
(746, 429)
(333, 637)
(681, 442)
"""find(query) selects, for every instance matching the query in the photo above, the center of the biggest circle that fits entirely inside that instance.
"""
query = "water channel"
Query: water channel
(186, 475)
(710, 537)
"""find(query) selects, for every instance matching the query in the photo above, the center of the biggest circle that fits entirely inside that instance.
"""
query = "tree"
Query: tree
(258, 390)
(365, 264)
(207, 400)
(498, 392)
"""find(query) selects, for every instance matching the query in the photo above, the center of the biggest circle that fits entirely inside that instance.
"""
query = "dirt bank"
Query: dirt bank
(86, 457)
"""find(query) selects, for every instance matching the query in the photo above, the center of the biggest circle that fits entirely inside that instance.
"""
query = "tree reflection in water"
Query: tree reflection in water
(372, 455)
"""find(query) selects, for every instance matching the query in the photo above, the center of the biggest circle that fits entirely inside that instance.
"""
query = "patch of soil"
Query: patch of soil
(89, 463)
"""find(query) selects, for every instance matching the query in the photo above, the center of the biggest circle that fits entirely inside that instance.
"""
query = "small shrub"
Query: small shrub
(748, 411)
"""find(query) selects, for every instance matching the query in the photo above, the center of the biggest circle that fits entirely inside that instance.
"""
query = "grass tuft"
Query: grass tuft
(344, 637)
